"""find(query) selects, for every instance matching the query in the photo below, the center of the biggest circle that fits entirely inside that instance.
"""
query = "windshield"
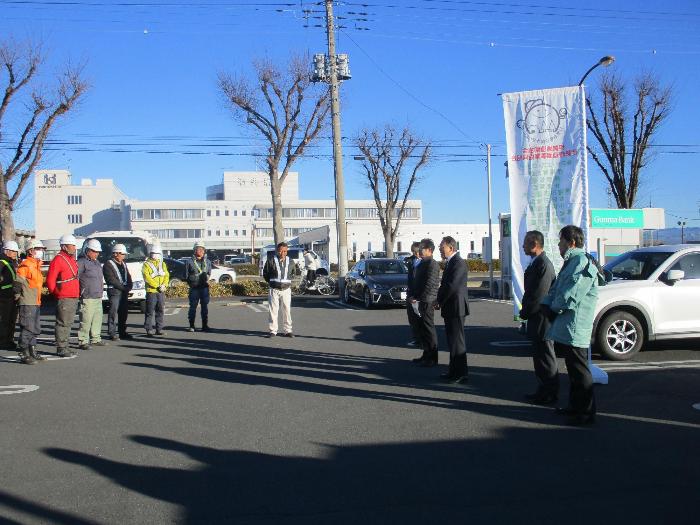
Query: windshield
(636, 266)
(384, 267)
(135, 246)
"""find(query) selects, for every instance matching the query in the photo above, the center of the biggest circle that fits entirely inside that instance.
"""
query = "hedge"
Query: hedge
(246, 269)
(242, 288)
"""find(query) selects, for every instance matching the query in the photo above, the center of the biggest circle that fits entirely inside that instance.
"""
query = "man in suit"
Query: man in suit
(539, 277)
(412, 263)
(425, 287)
(453, 303)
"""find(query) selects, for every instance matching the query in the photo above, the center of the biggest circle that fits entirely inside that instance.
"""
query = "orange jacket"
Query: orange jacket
(29, 281)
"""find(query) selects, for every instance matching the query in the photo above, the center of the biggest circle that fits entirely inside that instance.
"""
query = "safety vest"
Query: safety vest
(199, 269)
(157, 275)
(73, 271)
(12, 271)
(124, 280)
(282, 278)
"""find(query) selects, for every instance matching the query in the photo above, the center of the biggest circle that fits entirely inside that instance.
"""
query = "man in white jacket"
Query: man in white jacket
(311, 265)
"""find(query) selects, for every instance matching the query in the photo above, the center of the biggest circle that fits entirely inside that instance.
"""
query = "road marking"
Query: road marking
(259, 309)
(48, 357)
(499, 301)
(340, 305)
(651, 365)
(174, 311)
(509, 344)
(17, 389)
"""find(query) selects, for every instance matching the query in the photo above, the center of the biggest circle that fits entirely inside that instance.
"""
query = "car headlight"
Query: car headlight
(139, 285)
(379, 287)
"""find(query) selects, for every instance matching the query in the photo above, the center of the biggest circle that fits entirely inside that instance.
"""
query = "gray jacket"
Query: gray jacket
(91, 278)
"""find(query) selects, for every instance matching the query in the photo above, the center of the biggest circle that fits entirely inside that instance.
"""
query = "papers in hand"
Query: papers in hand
(415, 308)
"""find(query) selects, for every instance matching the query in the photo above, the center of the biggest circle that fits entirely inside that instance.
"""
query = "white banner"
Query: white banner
(548, 178)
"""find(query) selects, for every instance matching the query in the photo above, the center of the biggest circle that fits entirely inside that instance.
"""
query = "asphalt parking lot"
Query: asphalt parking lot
(337, 426)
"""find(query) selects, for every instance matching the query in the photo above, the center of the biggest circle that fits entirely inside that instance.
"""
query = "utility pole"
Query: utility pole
(341, 228)
(488, 177)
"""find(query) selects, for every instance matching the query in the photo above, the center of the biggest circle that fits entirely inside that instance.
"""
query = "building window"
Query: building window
(75, 199)
(208, 233)
(369, 246)
(208, 213)
(146, 214)
(177, 234)
(398, 246)
(235, 213)
(243, 233)
(226, 233)
(218, 212)
(243, 213)
(471, 246)
(75, 218)
(226, 213)
(235, 233)
(218, 233)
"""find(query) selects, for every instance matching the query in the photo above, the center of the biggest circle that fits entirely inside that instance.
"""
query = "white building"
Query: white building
(63, 207)
(236, 215)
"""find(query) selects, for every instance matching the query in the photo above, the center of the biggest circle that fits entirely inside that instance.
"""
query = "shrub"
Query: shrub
(249, 288)
(246, 269)
(243, 288)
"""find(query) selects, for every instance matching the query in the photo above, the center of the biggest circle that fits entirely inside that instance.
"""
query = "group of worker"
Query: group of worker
(77, 284)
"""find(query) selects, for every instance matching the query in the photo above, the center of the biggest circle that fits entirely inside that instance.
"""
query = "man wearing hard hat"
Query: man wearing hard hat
(119, 285)
(62, 282)
(156, 277)
(28, 292)
(8, 306)
(197, 272)
(91, 278)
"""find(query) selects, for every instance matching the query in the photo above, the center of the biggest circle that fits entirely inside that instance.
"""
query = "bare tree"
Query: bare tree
(21, 64)
(641, 118)
(391, 163)
(275, 104)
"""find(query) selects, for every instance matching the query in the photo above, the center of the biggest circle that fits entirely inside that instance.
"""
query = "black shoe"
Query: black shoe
(447, 376)
(580, 420)
(565, 411)
(540, 398)
(412, 342)
(25, 357)
(114, 337)
(35, 355)
(205, 328)
(428, 363)
(270, 335)
(64, 352)
(191, 328)
(288, 334)
(459, 380)
(126, 336)
(418, 360)
(98, 343)
(84, 346)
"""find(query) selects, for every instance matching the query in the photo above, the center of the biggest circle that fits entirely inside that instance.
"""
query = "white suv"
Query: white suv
(654, 294)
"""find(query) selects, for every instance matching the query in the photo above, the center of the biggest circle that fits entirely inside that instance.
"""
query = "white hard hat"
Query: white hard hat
(94, 245)
(36, 243)
(155, 248)
(198, 244)
(67, 239)
(120, 248)
(10, 245)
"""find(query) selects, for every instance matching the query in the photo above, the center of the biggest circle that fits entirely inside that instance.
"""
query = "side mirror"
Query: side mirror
(675, 275)
(362, 273)
(608, 275)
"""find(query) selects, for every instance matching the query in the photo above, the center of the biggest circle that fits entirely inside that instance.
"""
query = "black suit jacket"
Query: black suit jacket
(539, 277)
(452, 295)
(426, 281)
(411, 274)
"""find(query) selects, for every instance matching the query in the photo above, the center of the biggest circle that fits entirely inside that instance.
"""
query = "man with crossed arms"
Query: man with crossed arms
(277, 272)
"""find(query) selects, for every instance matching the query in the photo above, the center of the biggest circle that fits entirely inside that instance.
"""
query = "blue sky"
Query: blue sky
(436, 65)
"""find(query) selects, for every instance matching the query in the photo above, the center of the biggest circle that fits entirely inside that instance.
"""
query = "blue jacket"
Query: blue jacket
(573, 297)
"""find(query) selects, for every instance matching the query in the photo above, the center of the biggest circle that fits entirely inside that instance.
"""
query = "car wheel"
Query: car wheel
(174, 282)
(346, 294)
(225, 279)
(367, 299)
(620, 336)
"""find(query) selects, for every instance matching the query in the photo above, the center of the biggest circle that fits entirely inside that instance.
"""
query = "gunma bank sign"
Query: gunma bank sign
(604, 218)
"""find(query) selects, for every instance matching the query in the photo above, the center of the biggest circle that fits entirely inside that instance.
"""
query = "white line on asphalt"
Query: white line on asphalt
(17, 389)
(256, 308)
(340, 305)
(485, 300)
(48, 357)
(174, 311)
(651, 365)
(650, 420)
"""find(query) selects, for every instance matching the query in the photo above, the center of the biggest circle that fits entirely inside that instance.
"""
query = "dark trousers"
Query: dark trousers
(581, 398)
(199, 296)
(426, 330)
(65, 317)
(546, 370)
(155, 303)
(8, 319)
(118, 312)
(413, 320)
(30, 325)
(310, 276)
(454, 329)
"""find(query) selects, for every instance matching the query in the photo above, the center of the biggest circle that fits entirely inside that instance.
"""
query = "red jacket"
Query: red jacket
(62, 279)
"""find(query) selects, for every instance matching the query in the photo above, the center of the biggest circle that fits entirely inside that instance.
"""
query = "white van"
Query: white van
(136, 243)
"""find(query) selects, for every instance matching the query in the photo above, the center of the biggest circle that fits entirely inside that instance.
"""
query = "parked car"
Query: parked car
(372, 255)
(176, 269)
(377, 281)
(653, 294)
(221, 274)
(231, 259)
(402, 255)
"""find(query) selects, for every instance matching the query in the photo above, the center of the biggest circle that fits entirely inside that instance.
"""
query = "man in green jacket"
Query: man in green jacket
(570, 305)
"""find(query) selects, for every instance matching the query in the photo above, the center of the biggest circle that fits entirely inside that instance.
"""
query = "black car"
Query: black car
(176, 270)
(377, 281)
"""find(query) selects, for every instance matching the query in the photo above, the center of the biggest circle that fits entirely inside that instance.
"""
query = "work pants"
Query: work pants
(427, 337)
(8, 319)
(546, 370)
(581, 398)
(30, 325)
(65, 315)
(90, 321)
(454, 329)
(280, 301)
(118, 312)
(155, 302)
(413, 320)
(199, 296)
(310, 277)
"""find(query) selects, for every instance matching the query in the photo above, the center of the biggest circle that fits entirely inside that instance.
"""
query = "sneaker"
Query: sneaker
(84, 346)
(191, 328)
(270, 335)
(161, 333)
(150, 334)
(114, 337)
(126, 336)
(288, 334)
(413, 342)
(98, 343)
(64, 352)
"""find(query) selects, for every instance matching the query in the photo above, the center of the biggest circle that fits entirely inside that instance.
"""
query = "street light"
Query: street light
(605, 61)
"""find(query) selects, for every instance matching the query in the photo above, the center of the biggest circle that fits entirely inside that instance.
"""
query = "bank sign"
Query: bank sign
(631, 219)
